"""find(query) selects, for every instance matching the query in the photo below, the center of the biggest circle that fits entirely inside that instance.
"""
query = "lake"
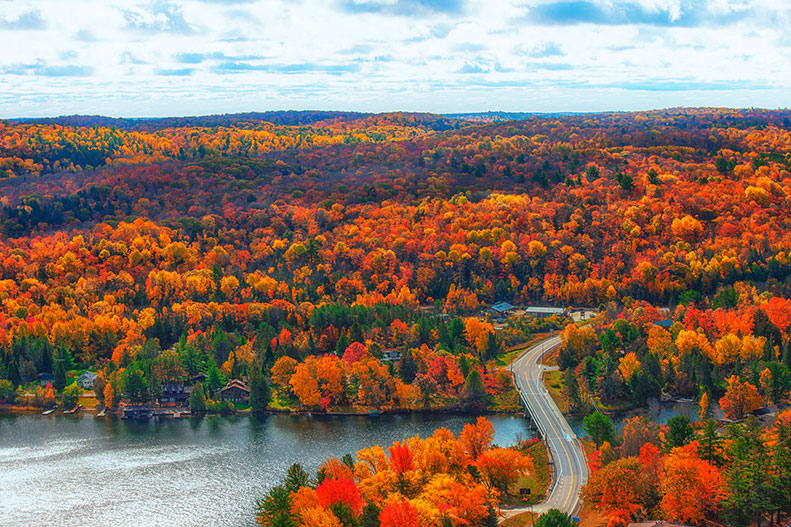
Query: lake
(73, 470)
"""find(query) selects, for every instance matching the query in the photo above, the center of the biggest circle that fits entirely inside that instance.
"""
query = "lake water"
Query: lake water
(69, 470)
(656, 412)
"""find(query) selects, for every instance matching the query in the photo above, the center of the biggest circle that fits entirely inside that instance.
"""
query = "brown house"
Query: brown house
(235, 391)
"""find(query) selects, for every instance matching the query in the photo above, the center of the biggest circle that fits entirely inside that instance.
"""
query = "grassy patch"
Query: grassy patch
(512, 353)
(619, 406)
(553, 380)
(506, 402)
(537, 481)
(88, 402)
(521, 520)
(551, 358)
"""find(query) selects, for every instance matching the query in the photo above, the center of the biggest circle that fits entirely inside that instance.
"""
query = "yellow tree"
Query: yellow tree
(478, 334)
(282, 371)
(628, 365)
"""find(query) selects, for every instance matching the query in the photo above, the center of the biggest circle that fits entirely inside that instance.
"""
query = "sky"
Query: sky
(129, 58)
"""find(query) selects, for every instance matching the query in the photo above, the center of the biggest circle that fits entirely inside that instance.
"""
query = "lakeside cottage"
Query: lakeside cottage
(236, 391)
(45, 378)
(174, 394)
(86, 379)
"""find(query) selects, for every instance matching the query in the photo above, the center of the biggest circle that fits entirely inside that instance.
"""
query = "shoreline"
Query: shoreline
(30, 410)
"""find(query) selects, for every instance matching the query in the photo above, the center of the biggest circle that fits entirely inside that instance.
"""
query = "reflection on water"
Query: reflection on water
(656, 412)
(61, 470)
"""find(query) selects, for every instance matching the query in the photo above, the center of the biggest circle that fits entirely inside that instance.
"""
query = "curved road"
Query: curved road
(569, 462)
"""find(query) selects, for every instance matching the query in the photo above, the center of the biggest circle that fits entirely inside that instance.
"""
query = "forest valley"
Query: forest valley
(301, 249)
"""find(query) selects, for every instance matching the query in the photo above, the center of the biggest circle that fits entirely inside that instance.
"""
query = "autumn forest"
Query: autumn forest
(336, 262)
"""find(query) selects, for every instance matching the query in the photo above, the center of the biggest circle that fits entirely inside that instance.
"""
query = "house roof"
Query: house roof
(87, 375)
(664, 323)
(545, 310)
(235, 383)
(502, 307)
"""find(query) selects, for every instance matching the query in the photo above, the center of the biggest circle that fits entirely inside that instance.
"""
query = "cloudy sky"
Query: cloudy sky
(188, 57)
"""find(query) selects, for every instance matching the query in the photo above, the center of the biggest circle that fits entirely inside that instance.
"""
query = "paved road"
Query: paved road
(570, 465)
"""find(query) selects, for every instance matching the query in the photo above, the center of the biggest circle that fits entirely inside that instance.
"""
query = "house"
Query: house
(235, 391)
(391, 355)
(45, 378)
(199, 378)
(542, 312)
(85, 380)
(665, 324)
(173, 394)
(501, 309)
(138, 412)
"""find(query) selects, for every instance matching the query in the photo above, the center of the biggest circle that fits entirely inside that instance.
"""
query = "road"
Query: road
(569, 462)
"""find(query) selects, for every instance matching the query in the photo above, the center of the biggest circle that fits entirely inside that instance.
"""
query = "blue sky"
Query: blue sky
(189, 57)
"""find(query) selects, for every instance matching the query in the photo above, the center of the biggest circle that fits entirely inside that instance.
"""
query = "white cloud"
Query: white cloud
(169, 57)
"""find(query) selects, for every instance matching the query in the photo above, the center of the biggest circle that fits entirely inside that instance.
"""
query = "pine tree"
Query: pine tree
(370, 516)
(296, 477)
(260, 394)
(492, 346)
(197, 399)
(599, 427)
(407, 366)
(474, 395)
(747, 475)
(491, 518)
(59, 380)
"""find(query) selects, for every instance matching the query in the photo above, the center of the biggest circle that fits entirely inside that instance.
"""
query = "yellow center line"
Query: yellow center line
(562, 444)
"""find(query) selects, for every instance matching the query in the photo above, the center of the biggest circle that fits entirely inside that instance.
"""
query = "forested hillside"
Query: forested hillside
(234, 241)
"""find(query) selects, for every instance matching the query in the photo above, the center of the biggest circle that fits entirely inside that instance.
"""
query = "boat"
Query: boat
(47, 412)
(374, 413)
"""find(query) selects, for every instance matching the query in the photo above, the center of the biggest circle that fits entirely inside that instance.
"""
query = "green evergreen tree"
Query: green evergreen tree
(296, 477)
(492, 346)
(747, 475)
(407, 366)
(781, 468)
(555, 518)
(474, 393)
(341, 345)
(344, 514)
(260, 394)
(59, 380)
(680, 431)
(275, 509)
(214, 377)
(370, 516)
(710, 444)
(599, 427)
(135, 385)
(491, 517)
(197, 399)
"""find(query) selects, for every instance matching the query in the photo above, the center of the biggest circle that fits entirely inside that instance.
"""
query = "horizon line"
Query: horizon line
(386, 112)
